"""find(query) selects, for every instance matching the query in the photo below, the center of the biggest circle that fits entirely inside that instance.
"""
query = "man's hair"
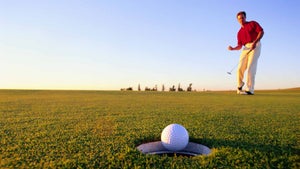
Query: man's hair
(241, 13)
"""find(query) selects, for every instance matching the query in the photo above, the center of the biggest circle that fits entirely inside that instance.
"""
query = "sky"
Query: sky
(114, 44)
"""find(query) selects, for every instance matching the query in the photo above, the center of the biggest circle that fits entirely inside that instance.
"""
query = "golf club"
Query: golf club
(238, 63)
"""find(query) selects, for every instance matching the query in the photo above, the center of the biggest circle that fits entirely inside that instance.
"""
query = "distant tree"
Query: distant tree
(154, 88)
(179, 88)
(189, 89)
(172, 89)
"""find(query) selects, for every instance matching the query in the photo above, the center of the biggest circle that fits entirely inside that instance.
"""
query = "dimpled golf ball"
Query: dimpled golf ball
(174, 137)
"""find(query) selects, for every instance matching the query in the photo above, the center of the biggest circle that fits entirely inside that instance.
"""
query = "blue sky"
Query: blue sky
(113, 44)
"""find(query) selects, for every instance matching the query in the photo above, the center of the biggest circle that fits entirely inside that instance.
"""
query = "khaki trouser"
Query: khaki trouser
(248, 61)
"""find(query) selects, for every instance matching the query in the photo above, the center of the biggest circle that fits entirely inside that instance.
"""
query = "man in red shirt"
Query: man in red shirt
(248, 38)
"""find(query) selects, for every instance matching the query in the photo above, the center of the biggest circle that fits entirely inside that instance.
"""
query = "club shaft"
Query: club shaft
(240, 61)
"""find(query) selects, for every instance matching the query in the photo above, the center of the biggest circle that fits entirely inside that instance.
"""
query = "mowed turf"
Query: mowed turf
(101, 129)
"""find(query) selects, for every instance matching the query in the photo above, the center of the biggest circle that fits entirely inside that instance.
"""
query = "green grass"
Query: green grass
(101, 129)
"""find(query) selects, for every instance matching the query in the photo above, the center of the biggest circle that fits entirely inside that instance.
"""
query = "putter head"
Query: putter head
(229, 73)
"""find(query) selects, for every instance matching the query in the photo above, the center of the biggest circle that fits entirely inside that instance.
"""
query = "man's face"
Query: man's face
(241, 19)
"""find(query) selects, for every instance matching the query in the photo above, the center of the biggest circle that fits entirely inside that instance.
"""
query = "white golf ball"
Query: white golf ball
(174, 137)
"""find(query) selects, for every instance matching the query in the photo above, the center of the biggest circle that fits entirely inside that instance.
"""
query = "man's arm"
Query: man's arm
(238, 47)
(258, 38)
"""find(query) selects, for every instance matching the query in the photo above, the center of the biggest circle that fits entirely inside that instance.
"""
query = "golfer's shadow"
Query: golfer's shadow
(251, 147)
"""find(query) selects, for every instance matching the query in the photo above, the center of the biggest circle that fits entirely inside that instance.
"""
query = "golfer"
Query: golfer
(248, 38)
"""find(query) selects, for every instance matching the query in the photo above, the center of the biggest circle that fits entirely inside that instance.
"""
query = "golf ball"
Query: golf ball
(174, 137)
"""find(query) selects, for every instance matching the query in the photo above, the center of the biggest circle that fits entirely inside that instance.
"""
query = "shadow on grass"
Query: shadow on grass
(251, 147)
(219, 143)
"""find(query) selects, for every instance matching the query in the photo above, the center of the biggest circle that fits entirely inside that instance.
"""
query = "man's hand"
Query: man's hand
(230, 48)
(238, 47)
(253, 46)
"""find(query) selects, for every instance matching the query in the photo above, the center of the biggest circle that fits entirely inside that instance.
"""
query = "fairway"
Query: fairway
(101, 129)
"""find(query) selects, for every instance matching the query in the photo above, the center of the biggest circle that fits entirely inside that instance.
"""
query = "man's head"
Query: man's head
(241, 17)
